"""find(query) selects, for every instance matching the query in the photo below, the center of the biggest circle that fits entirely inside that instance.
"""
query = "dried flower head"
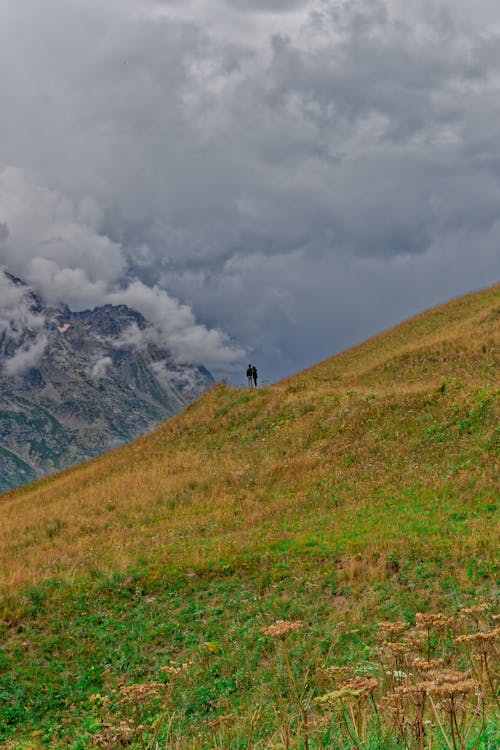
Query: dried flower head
(365, 685)
(281, 628)
(472, 613)
(416, 639)
(394, 647)
(480, 640)
(437, 621)
(141, 692)
(441, 684)
(391, 629)
(358, 687)
(451, 689)
(412, 688)
(174, 670)
(221, 721)
(116, 735)
(425, 666)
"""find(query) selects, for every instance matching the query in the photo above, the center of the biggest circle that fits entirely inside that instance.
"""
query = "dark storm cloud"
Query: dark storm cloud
(297, 178)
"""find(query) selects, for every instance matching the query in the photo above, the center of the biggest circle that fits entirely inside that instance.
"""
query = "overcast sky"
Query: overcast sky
(268, 180)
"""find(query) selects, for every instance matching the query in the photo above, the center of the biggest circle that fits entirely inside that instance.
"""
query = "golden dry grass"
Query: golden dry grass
(240, 470)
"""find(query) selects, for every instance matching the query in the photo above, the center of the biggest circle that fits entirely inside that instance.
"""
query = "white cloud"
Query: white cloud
(58, 247)
(26, 356)
(53, 241)
(17, 313)
(175, 324)
(23, 335)
(101, 367)
(186, 379)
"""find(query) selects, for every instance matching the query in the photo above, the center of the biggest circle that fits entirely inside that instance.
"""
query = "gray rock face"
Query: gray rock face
(75, 384)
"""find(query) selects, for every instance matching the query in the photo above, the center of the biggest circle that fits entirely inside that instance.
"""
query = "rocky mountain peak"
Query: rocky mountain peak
(75, 384)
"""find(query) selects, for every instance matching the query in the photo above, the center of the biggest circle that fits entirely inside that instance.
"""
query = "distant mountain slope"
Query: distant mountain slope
(75, 384)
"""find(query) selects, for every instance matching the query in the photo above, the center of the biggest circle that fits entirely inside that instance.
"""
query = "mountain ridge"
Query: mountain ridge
(75, 384)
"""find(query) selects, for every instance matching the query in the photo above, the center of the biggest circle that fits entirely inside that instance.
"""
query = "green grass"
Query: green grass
(362, 490)
(83, 639)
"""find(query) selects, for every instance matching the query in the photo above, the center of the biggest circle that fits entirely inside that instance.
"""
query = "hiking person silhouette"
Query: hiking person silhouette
(254, 376)
(250, 376)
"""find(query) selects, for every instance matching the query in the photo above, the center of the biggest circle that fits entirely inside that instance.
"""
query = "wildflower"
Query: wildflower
(281, 628)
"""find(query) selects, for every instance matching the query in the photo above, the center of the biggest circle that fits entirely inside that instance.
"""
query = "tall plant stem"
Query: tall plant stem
(490, 680)
(298, 699)
(436, 714)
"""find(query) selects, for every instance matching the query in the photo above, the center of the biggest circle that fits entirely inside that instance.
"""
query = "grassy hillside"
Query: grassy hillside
(360, 490)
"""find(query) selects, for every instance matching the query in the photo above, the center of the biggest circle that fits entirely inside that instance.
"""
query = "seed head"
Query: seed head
(441, 684)
(175, 671)
(408, 688)
(450, 689)
(141, 692)
(220, 721)
(281, 628)
(480, 639)
(117, 735)
(468, 613)
(390, 629)
(424, 666)
(356, 688)
(438, 621)
(394, 647)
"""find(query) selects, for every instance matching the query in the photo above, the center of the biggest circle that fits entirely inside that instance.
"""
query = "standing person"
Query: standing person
(250, 376)
(254, 376)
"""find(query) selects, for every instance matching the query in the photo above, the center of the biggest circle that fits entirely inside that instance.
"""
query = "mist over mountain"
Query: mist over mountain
(75, 384)
(217, 165)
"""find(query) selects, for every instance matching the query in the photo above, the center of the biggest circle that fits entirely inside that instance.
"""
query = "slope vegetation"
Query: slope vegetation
(359, 490)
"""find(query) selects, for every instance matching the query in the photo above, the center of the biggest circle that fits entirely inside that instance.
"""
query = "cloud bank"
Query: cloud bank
(56, 246)
(269, 179)
(23, 336)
